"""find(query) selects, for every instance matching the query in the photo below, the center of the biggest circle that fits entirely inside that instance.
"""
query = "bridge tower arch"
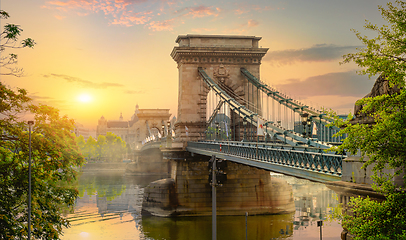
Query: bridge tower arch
(221, 57)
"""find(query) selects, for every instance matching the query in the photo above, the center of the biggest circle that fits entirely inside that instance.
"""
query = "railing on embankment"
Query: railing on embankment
(303, 162)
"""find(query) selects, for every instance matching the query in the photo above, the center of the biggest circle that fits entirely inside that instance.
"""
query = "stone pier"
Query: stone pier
(221, 57)
(188, 192)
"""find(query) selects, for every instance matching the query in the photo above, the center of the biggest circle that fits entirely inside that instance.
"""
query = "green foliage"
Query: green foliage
(8, 40)
(374, 220)
(54, 156)
(383, 141)
(385, 53)
(109, 148)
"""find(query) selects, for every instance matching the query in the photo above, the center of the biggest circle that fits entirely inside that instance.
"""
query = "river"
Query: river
(109, 207)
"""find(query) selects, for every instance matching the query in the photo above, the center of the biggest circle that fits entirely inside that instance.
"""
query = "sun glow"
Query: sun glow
(84, 98)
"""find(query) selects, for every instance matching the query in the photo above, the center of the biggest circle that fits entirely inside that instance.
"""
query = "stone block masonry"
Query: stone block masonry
(188, 192)
(221, 56)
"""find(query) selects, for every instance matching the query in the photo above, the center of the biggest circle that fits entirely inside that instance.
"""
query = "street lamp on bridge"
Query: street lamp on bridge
(245, 127)
(304, 117)
(216, 131)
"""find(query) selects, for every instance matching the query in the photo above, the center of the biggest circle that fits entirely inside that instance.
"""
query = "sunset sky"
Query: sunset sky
(102, 57)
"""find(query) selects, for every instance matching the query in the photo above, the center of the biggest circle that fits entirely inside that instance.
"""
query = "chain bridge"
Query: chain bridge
(224, 109)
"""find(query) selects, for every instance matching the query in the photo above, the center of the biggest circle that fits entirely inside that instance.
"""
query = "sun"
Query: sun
(84, 98)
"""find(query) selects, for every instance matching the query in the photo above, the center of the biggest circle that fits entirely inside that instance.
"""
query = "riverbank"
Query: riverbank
(104, 167)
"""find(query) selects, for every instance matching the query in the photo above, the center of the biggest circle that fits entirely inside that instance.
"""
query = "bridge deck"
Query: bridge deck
(308, 163)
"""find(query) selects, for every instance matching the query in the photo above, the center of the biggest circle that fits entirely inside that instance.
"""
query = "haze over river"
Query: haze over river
(109, 207)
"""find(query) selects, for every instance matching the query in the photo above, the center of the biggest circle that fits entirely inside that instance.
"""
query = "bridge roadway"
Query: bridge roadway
(303, 162)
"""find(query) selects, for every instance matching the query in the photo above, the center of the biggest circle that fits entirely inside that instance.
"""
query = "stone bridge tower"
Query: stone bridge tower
(221, 56)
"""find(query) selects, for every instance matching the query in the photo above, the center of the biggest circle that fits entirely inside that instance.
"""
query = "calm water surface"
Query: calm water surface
(109, 207)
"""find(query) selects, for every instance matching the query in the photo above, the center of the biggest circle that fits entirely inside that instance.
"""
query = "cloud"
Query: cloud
(264, 8)
(50, 101)
(316, 53)
(83, 83)
(166, 25)
(39, 98)
(240, 11)
(242, 28)
(199, 11)
(123, 12)
(129, 19)
(340, 84)
(157, 15)
(59, 17)
(135, 92)
(252, 23)
(243, 8)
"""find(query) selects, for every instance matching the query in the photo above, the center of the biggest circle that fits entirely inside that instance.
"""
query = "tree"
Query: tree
(382, 142)
(101, 147)
(80, 141)
(90, 148)
(116, 147)
(54, 156)
(107, 148)
(8, 40)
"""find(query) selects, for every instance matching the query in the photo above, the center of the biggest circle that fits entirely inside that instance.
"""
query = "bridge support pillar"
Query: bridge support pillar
(352, 172)
(222, 57)
(188, 192)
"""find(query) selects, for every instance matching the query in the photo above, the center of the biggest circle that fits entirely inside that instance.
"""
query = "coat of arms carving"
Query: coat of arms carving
(221, 73)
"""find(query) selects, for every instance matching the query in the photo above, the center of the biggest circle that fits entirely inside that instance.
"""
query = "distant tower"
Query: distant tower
(101, 127)
(134, 117)
(121, 117)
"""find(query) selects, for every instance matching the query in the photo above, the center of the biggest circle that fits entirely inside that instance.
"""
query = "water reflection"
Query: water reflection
(228, 227)
(109, 207)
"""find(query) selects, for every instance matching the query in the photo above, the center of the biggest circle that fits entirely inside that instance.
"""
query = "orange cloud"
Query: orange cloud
(118, 11)
(262, 8)
(128, 19)
(59, 17)
(166, 25)
(200, 11)
(252, 23)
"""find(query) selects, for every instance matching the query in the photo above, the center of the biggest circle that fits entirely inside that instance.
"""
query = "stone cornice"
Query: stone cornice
(215, 36)
(179, 52)
(193, 55)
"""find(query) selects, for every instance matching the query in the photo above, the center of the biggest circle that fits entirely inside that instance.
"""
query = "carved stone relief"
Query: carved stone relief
(221, 73)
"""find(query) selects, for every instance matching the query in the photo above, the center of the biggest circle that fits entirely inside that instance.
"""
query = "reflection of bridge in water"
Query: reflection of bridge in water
(102, 212)
(224, 109)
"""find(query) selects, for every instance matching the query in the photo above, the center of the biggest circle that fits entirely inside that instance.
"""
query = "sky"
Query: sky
(96, 58)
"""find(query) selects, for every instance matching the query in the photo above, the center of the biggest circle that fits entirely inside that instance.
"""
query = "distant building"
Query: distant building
(118, 127)
(143, 123)
(80, 130)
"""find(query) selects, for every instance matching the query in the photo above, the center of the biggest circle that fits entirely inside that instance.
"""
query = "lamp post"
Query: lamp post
(30, 123)
(304, 117)
(309, 125)
(217, 130)
(245, 127)
(163, 130)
